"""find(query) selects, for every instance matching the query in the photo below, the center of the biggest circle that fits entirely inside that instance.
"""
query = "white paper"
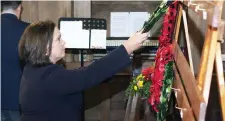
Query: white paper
(98, 39)
(76, 39)
(70, 26)
(119, 24)
(73, 34)
(136, 21)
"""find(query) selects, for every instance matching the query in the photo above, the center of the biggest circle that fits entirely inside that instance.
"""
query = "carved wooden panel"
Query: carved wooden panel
(45, 10)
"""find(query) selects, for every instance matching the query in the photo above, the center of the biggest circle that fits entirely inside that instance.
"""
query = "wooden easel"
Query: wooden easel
(192, 94)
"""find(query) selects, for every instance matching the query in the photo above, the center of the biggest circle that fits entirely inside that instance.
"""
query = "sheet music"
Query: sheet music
(119, 24)
(136, 21)
(67, 26)
(73, 34)
(78, 39)
(98, 39)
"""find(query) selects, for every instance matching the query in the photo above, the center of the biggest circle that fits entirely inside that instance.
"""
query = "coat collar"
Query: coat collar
(9, 15)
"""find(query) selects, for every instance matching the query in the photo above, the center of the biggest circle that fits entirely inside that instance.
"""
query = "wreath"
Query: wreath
(155, 82)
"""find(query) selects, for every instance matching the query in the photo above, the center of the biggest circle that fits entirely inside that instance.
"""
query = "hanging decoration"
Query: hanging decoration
(155, 82)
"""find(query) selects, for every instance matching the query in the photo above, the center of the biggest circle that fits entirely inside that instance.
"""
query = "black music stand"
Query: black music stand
(88, 24)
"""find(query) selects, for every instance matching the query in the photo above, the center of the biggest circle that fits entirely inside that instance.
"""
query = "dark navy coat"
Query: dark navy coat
(11, 32)
(52, 93)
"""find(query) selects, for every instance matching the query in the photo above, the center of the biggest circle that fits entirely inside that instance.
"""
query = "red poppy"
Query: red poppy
(167, 27)
(165, 32)
(155, 108)
(164, 39)
(171, 19)
(172, 12)
(147, 72)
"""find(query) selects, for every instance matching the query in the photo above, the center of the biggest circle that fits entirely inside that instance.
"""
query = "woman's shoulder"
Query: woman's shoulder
(42, 70)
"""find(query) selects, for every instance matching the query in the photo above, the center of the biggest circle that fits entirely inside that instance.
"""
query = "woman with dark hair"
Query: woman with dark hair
(48, 91)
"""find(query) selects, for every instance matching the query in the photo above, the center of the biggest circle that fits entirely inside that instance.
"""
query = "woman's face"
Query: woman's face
(58, 47)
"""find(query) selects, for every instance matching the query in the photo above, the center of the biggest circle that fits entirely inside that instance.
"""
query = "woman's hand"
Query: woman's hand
(135, 41)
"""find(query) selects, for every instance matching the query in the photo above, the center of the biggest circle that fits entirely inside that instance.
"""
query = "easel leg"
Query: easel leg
(220, 78)
(128, 108)
(204, 60)
(210, 64)
(187, 40)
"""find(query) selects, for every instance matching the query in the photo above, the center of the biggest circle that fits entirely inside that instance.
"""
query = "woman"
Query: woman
(49, 92)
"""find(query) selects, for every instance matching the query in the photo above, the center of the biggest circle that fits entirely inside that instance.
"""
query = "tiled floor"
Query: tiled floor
(10, 115)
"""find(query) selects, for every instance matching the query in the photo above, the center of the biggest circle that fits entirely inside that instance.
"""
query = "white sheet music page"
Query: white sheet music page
(78, 39)
(98, 39)
(136, 21)
(119, 24)
(73, 34)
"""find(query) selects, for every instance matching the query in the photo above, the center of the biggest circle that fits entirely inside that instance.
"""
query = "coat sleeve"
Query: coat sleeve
(72, 81)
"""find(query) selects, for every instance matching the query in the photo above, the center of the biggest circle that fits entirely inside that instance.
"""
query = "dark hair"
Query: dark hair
(10, 5)
(34, 42)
